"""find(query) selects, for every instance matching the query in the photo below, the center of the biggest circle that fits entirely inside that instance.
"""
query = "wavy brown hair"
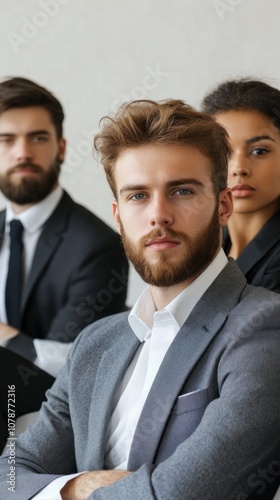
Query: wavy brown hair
(165, 122)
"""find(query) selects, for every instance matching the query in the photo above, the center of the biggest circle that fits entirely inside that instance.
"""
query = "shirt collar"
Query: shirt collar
(34, 217)
(184, 303)
(142, 314)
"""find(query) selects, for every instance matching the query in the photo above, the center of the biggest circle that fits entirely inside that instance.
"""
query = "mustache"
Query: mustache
(25, 165)
(164, 233)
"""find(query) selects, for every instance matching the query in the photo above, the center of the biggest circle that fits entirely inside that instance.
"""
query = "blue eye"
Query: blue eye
(138, 196)
(183, 191)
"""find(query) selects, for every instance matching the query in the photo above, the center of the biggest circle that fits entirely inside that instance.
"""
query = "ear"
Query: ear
(225, 206)
(116, 215)
(61, 149)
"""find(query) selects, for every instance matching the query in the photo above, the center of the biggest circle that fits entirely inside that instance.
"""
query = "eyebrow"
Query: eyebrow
(30, 134)
(177, 182)
(259, 138)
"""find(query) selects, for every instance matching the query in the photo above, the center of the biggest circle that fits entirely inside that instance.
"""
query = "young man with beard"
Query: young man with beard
(179, 398)
(69, 260)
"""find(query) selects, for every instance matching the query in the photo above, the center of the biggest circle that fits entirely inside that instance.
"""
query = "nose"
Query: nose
(161, 213)
(23, 150)
(238, 166)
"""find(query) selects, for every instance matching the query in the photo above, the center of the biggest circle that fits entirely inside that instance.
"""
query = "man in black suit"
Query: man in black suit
(73, 266)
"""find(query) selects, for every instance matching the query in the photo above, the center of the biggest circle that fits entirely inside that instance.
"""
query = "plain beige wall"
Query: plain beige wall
(94, 54)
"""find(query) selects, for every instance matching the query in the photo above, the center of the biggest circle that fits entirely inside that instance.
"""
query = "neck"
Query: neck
(18, 209)
(164, 295)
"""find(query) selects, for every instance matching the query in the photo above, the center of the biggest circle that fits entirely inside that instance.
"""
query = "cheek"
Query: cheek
(270, 177)
(196, 221)
(268, 185)
(132, 226)
(135, 227)
(198, 209)
(6, 155)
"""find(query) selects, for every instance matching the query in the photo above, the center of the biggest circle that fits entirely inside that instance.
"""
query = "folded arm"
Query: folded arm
(82, 486)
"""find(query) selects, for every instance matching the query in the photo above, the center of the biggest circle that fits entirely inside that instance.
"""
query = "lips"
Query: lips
(243, 191)
(25, 168)
(163, 243)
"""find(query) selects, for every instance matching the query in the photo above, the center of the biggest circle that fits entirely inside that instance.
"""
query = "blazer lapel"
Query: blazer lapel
(111, 370)
(182, 356)
(49, 240)
(205, 321)
(251, 254)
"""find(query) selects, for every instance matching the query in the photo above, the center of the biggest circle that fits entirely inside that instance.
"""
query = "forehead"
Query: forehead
(243, 124)
(24, 120)
(160, 164)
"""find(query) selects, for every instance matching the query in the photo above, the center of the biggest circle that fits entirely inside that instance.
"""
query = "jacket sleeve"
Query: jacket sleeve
(40, 459)
(97, 287)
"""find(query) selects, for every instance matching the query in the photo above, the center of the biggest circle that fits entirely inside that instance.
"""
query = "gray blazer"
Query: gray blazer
(211, 421)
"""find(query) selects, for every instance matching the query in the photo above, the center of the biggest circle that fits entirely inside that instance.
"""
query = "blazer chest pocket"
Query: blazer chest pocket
(184, 419)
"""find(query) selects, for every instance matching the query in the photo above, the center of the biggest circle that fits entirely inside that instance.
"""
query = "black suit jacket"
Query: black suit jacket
(260, 259)
(79, 274)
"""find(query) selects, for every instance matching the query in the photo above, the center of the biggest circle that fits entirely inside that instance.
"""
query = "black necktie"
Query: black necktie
(14, 277)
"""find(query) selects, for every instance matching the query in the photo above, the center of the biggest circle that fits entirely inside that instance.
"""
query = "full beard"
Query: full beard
(30, 189)
(198, 254)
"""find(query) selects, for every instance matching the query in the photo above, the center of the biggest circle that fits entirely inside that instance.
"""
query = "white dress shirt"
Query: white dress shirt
(156, 330)
(33, 220)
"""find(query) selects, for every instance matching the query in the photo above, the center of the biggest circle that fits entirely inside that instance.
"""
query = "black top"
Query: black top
(260, 259)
